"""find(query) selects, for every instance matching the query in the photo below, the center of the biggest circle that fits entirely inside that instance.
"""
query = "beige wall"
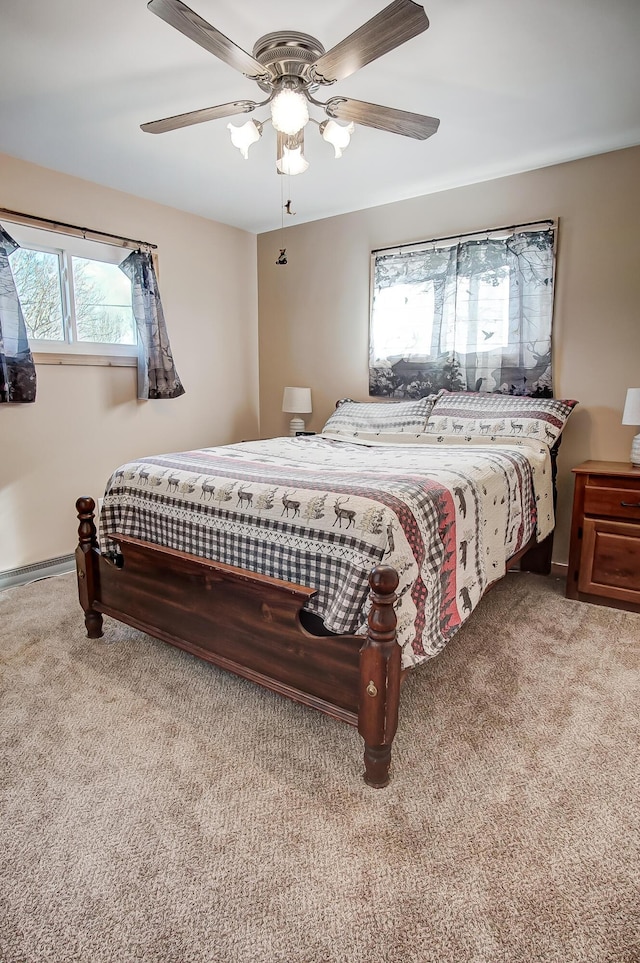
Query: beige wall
(313, 312)
(86, 420)
(313, 329)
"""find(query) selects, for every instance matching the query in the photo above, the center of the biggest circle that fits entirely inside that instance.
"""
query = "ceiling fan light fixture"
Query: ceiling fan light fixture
(292, 161)
(244, 136)
(288, 66)
(337, 135)
(289, 109)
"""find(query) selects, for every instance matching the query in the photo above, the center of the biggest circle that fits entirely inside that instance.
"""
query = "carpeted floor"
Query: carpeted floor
(155, 809)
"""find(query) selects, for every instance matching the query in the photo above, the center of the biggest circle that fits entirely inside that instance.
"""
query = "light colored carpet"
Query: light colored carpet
(154, 808)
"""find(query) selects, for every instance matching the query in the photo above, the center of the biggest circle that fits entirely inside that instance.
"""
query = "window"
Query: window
(464, 314)
(481, 321)
(404, 320)
(75, 298)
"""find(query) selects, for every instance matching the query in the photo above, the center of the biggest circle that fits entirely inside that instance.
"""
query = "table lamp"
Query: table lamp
(631, 416)
(296, 401)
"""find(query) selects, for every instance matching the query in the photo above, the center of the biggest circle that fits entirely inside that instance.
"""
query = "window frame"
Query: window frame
(418, 372)
(71, 350)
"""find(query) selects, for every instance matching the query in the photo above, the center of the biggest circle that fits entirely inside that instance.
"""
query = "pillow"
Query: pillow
(351, 417)
(480, 414)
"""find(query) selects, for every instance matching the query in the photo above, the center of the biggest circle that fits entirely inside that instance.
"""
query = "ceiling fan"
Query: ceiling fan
(289, 67)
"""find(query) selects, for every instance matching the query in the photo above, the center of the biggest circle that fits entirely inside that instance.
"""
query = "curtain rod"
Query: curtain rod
(72, 229)
(453, 237)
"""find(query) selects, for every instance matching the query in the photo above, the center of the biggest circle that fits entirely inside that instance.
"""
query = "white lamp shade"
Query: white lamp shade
(246, 135)
(631, 413)
(297, 400)
(293, 162)
(337, 135)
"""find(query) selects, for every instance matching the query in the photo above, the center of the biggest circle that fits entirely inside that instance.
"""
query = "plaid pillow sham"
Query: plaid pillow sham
(478, 414)
(379, 417)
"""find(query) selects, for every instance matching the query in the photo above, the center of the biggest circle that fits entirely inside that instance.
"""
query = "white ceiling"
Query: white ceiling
(517, 85)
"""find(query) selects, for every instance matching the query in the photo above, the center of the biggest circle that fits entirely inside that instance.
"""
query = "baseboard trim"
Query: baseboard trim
(61, 565)
(559, 569)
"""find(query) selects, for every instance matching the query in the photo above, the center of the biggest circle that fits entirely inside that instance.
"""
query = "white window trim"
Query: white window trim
(66, 357)
(75, 352)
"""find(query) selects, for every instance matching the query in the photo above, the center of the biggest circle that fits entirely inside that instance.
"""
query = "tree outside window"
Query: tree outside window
(70, 299)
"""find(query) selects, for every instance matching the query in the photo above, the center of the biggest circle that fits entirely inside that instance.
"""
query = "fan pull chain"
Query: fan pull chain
(287, 206)
(282, 257)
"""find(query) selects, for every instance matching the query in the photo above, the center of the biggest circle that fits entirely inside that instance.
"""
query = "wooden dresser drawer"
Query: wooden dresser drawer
(604, 554)
(610, 562)
(612, 502)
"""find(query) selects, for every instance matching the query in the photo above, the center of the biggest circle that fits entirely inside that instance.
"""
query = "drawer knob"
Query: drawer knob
(629, 504)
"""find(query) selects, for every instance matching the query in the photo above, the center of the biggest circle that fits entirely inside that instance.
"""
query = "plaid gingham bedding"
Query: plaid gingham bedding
(322, 512)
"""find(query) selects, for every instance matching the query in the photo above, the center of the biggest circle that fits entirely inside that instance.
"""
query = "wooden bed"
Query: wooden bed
(254, 625)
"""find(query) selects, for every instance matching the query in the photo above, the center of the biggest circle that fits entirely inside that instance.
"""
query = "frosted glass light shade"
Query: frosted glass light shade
(244, 136)
(292, 161)
(631, 416)
(289, 111)
(337, 135)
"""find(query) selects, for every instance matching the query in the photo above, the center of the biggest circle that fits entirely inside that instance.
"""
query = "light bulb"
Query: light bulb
(289, 110)
(337, 135)
(244, 136)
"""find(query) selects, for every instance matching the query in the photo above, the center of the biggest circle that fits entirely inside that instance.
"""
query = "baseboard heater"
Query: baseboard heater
(61, 565)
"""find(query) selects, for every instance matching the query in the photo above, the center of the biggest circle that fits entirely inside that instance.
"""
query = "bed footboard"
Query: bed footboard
(250, 624)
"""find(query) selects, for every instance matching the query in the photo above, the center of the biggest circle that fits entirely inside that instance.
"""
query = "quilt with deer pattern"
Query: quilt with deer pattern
(322, 512)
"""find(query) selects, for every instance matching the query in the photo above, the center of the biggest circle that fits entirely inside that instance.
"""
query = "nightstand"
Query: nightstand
(604, 556)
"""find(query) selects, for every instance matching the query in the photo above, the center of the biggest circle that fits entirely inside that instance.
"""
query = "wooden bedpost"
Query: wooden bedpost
(87, 559)
(538, 558)
(379, 678)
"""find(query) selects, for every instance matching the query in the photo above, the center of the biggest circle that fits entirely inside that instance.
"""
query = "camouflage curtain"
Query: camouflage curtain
(17, 370)
(157, 376)
(474, 315)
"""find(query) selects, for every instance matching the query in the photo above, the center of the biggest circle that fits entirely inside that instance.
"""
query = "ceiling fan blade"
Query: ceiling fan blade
(383, 118)
(179, 15)
(198, 116)
(393, 26)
